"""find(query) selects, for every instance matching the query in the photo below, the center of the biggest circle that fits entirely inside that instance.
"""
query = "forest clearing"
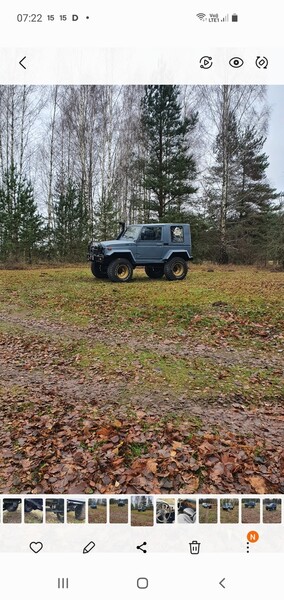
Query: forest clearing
(146, 387)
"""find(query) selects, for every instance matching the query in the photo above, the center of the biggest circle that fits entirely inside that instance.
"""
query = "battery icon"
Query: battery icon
(234, 18)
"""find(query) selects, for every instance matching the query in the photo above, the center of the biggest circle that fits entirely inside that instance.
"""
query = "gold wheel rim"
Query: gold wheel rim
(178, 269)
(122, 272)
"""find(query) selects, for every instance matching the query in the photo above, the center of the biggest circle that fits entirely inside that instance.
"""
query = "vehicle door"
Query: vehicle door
(150, 247)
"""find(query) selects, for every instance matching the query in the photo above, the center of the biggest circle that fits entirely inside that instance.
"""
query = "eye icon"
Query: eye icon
(236, 62)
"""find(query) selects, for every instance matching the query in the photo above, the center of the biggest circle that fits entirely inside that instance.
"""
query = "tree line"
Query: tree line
(77, 160)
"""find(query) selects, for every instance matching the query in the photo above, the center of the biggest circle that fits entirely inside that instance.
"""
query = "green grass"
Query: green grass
(145, 332)
(137, 449)
(72, 295)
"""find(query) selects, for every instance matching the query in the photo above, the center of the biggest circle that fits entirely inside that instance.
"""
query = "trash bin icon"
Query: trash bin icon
(194, 547)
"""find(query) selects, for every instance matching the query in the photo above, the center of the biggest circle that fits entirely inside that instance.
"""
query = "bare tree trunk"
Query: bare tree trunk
(51, 161)
(22, 130)
(225, 178)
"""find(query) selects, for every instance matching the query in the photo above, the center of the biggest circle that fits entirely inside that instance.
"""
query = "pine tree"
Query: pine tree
(106, 218)
(170, 168)
(240, 198)
(222, 182)
(72, 230)
(21, 225)
(252, 205)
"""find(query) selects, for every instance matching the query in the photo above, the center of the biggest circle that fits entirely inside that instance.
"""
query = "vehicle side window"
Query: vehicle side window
(151, 233)
(177, 234)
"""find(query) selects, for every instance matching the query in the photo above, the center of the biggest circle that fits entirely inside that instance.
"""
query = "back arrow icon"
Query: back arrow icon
(221, 582)
(21, 62)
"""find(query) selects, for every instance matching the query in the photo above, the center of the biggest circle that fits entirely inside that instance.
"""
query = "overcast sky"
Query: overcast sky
(274, 146)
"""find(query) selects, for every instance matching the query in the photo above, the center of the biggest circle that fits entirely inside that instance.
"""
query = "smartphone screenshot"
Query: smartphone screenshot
(141, 300)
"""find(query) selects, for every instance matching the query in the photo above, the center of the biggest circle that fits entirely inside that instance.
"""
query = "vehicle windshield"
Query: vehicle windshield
(132, 232)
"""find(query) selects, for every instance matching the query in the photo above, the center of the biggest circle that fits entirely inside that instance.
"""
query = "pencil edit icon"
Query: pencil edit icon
(90, 546)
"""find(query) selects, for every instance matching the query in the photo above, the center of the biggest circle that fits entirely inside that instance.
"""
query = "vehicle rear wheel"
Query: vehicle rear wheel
(120, 270)
(98, 270)
(154, 272)
(176, 269)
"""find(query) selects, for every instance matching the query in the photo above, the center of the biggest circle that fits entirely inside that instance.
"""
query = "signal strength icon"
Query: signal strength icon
(201, 16)
(225, 19)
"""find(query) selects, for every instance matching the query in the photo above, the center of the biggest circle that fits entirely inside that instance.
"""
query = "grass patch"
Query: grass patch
(145, 333)
(72, 295)
(135, 450)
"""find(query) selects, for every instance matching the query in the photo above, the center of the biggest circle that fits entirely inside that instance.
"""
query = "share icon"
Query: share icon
(142, 549)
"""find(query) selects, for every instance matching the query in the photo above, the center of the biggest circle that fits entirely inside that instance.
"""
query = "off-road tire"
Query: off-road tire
(154, 272)
(80, 513)
(60, 517)
(98, 270)
(13, 506)
(175, 269)
(120, 270)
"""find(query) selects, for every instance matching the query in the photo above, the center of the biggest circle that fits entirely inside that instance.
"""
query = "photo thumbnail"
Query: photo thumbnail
(186, 510)
(142, 511)
(165, 510)
(141, 299)
(208, 510)
(271, 510)
(118, 510)
(33, 510)
(12, 510)
(97, 510)
(76, 511)
(250, 510)
(55, 510)
(229, 510)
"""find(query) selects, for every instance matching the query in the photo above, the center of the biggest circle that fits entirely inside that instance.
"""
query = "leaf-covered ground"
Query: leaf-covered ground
(147, 387)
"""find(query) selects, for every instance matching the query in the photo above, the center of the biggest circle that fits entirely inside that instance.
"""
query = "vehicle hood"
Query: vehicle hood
(113, 243)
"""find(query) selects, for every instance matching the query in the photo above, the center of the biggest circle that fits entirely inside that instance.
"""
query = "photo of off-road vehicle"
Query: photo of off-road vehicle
(250, 510)
(142, 511)
(164, 249)
(272, 510)
(249, 503)
(229, 510)
(118, 510)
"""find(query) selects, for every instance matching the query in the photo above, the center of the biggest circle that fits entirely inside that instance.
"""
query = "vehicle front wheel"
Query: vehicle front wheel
(154, 272)
(176, 269)
(98, 270)
(120, 270)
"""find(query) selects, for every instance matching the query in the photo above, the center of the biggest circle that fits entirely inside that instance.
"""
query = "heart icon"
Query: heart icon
(36, 547)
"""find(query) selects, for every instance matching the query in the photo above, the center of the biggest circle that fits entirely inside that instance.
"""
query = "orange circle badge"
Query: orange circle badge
(252, 537)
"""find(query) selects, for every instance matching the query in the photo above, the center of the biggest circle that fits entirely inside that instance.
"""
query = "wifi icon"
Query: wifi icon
(201, 16)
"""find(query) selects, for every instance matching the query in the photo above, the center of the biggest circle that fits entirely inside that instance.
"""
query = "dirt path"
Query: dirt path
(236, 417)
(183, 347)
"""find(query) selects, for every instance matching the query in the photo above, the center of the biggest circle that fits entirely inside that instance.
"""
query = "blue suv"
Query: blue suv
(163, 249)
